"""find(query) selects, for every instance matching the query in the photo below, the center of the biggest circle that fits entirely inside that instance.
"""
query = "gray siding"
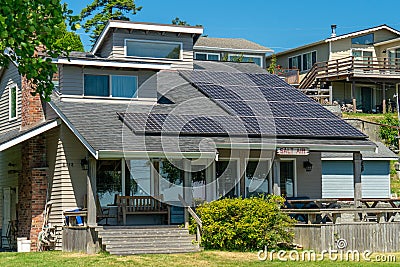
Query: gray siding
(186, 40)
(107, 48)
(309, 183)
(10, 77)
(337, 179)
(68, 185)
(71, 80)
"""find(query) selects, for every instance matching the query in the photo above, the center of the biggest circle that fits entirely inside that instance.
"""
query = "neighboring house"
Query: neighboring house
(359, 68)
(138, 117)
(230, 49)
(337, 174)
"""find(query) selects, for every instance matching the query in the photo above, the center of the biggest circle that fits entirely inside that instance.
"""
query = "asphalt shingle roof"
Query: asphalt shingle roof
(230, 43)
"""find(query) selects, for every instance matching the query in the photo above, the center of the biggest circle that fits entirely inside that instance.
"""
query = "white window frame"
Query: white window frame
(153, 41)
(247, 55)
(301, 55)
(207, 54)
(294, 160)
(110, 86)
(12, 86)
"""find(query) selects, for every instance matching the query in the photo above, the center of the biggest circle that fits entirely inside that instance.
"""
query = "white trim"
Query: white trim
(10, 87)
(294, 160)
(387, 42)
(155, 42)
(101, 63)
(108, 100)
(382, 27)
(145, 27)
(311, 147)
(207, 53)
(29, 135)
(248, 56)
(237, 50)
(365, 159)
(76, 133)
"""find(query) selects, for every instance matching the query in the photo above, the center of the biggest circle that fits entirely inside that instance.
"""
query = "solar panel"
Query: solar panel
(251, 95)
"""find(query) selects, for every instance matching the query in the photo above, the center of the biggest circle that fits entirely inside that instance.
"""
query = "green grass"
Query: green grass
(206, 258)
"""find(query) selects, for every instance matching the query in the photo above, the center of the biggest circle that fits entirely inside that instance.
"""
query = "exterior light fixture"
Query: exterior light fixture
(85, 164)
(307, 165)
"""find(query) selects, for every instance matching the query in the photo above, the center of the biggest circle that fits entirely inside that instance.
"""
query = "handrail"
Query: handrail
(199, 226)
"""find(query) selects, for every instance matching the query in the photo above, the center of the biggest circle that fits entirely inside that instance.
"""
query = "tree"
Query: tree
(99, 12)
(27, 30)
(389, 134)
(70, 40)
(178, 21)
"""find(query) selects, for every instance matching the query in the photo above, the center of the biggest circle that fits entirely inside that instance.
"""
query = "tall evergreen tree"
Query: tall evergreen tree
(96, 15)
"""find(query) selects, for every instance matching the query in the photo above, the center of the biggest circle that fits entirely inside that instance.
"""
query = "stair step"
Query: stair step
(153, 251)
(149, 246)
(147, 240)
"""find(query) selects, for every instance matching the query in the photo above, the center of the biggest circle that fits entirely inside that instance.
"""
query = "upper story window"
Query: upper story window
(304, 61)
(153, 49)
(207, 56)
(246, 58)
(12, 102)
(363, 40)
(110, 86)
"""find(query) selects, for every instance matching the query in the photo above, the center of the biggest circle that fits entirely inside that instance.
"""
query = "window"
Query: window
(13, 102)
(241, 58)
(304, 61)
(363, 40)
(153, 49)
(207, 56)
(110, 85)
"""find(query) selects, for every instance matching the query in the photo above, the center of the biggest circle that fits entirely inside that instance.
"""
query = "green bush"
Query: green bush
(388, 134)
(244, 224)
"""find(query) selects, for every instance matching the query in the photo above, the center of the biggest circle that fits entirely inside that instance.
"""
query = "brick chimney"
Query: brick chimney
(32, 111)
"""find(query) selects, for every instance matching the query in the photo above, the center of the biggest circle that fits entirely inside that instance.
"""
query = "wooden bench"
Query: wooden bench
(140, 205)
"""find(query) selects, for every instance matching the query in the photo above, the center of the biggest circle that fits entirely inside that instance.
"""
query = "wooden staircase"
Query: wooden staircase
(130, 240)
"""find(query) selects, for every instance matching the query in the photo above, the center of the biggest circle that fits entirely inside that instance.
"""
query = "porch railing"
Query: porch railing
(199, 224)
(339, 68)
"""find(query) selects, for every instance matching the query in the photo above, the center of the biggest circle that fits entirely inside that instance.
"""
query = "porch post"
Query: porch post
(353, 96)
(383, 98)
(187, 189)
(276, 178)
(91, 193)
(357, 161)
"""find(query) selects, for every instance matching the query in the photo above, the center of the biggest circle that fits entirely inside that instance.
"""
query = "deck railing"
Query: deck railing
(343, 67)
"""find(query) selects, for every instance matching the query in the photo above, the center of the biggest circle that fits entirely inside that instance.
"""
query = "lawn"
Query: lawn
(206, 258)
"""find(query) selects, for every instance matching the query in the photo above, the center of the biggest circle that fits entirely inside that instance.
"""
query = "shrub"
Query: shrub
(388, 134)
(244, 224)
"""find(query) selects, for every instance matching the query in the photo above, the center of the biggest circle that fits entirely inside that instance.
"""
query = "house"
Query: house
(138, 119)
(358, 68)
(230, 49)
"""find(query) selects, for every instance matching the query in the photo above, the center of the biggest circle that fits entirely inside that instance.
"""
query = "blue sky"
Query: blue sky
(279, 25)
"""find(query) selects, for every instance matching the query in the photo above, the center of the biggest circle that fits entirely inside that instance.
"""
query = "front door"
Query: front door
(287, 178)
(366, 99)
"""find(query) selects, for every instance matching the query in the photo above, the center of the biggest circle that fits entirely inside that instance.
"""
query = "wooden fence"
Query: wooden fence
(375, 237)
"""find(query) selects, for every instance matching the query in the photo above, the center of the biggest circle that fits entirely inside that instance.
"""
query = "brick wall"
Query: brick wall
(32, 111)
(32, 189)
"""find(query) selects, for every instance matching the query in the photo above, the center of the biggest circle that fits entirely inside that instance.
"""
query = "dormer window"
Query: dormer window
(121, 86)
(153, 49)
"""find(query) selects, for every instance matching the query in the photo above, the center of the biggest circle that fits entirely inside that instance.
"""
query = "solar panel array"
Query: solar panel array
(260, 98)
(194, 125)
